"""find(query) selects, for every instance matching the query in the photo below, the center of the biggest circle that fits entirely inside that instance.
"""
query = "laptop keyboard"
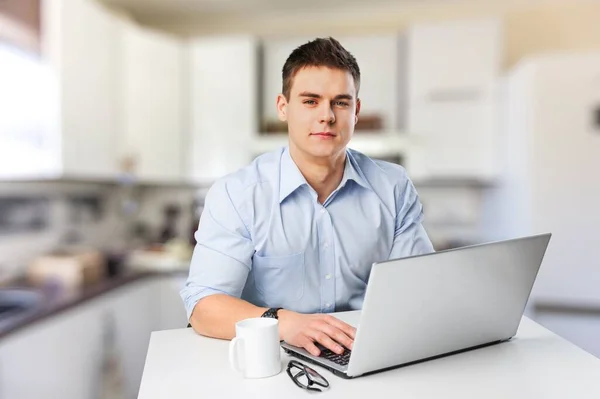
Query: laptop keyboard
(342, 359)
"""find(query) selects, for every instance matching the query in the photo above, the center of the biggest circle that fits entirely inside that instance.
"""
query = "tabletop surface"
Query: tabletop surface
(536, 363)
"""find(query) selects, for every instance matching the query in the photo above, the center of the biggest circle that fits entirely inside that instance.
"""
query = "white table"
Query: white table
(535, 364)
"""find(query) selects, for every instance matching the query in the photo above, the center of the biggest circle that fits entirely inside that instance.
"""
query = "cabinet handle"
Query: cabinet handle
(454, 95)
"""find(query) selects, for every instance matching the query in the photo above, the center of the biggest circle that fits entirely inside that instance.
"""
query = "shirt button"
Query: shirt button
(328, 276)
(326, 244)
(322, 210)
(328, 304)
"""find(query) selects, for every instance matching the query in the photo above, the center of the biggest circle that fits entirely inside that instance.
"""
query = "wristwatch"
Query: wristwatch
(271, 313)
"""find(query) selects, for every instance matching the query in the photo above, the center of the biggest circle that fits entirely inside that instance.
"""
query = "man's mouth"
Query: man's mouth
(323, 134)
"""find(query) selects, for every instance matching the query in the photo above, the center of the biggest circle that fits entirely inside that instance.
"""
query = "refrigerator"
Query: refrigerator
(550, 182)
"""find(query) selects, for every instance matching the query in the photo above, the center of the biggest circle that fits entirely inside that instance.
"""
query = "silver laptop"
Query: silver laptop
(427, 306)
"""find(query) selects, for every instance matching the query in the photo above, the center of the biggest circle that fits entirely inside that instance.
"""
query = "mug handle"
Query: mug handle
(233, 354)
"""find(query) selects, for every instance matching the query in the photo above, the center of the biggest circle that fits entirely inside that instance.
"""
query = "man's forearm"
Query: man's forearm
(215, 315)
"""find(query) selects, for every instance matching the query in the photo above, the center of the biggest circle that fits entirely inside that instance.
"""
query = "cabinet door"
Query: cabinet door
(454, 141)
(134, 311)
(152, 92)
(223, 105)
(86, 56)
(171, 310)
(378, 59)
(453, 60)
(58, 358)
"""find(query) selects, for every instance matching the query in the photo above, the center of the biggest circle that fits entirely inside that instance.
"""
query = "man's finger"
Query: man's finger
(337, 334)
(309, 345)
(325, 340)
(346, 328)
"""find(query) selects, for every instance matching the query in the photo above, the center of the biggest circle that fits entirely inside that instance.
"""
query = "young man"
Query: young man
(294, 234)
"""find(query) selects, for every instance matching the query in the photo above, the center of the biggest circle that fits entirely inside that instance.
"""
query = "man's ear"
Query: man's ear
(357, 111)
(282, 108)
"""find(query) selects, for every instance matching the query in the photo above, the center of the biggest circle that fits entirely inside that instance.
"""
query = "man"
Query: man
(294, 234)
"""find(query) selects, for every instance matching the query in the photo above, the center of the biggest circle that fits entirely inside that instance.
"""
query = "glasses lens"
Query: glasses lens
(305, 377)
(316, 377)
(300, 376)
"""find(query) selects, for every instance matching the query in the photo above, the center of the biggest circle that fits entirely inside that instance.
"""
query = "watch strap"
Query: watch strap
(271, 313)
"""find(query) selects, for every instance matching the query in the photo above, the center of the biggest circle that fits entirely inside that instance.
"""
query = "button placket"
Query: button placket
(327, 263)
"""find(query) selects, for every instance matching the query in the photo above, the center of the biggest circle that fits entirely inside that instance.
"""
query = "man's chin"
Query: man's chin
(325, 151)
(321, 150)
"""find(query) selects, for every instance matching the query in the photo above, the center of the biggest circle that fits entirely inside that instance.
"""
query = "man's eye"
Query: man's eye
(341, 103)
(310, 102)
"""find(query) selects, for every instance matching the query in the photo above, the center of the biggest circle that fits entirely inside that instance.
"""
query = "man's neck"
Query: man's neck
(322, 174)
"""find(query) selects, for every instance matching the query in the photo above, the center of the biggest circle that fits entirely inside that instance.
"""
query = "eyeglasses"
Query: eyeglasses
(305, 377)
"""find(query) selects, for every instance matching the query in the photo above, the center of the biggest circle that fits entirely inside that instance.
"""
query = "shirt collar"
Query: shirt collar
(352, 172)
(290, 178)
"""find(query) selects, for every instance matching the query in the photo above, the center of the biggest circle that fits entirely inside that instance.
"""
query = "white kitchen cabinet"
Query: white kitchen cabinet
(152, 84)
(62, 357)
(80, 44)
(223, 73)
(379, 59)
(453, 99)
(137, 309)
(171, 311)
(134, 311)
(454, 141)
(454, 61)
(56, 358)
(107, 96)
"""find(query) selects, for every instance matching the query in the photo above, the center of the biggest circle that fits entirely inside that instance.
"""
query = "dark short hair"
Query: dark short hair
(321, 52)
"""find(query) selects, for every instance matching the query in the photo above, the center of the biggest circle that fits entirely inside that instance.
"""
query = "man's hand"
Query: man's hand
(303, 330)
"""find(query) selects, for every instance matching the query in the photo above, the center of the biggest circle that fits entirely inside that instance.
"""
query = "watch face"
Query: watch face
(272, 313)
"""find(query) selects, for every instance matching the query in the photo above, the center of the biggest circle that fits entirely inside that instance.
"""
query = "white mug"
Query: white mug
(255, 351)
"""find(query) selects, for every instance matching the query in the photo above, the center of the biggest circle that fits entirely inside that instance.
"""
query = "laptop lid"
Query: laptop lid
(428, 305)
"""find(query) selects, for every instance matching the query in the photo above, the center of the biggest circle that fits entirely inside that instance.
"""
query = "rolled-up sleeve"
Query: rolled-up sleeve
(223, 253)
(410, 237)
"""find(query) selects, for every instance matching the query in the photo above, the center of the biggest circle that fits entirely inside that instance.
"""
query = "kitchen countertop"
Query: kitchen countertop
(56, 301)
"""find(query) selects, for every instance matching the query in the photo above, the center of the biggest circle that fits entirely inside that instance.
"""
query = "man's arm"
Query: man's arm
(215, 316)
(219, 269)
(410, 237)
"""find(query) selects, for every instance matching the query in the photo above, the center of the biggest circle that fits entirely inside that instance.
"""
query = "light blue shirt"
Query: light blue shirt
(264, 237)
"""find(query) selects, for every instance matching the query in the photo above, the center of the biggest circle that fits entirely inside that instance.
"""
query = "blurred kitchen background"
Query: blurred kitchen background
(116, 116)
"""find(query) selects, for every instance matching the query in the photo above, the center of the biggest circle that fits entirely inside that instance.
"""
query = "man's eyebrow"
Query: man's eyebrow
(309, 94)
(318, 96)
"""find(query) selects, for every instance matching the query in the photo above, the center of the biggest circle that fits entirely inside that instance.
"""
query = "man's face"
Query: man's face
(321, 111)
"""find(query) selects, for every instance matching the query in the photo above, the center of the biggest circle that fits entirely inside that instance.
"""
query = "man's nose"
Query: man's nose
(327, 115)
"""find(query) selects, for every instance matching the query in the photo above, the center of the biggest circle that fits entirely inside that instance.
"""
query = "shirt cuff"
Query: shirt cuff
(191, 297)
